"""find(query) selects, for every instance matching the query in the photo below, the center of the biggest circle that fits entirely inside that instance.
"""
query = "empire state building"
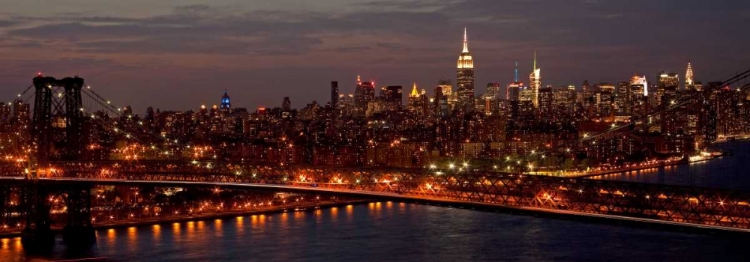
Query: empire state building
(465, 78)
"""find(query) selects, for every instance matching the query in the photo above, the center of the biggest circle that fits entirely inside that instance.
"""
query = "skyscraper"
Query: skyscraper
(334, 94)
(465, 78)
(493, 91)
(689, 81)
(441, 102)
(286, 105)
(393, 97)
(415, 101)
(667, 87)
(226, 105)
(363, 94)
(535, 82)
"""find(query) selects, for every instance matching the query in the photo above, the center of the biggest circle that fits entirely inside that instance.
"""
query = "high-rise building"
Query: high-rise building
(545, 102)
(334, 94)
(689, 78)
(465, 78)
(363, 95)
(226, 105)
(513, 91)
(535, 83)
(638, 95)
(393, 97)
(622, 98)
(286, 108)
(416, 100)
(669, 81)
(667, 87)
(440, 106)
(493, 91)
(286, 105)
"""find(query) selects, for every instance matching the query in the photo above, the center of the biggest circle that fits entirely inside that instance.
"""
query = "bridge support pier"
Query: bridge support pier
(37, 236)
(78, 233)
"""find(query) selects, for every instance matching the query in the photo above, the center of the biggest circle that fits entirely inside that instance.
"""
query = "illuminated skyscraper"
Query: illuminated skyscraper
(669, 81)
(638, 95)
(689, 81)
(465, 78)
(363, 94)
(225, 104)
(493, 91)
(446, 87)
(666, 90)
(535, 82)
(513, 91)
(415, 101)
(639, 85)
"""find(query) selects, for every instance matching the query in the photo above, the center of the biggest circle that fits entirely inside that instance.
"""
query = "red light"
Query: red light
(39, 73)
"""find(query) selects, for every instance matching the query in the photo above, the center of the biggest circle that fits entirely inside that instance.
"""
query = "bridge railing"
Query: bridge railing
(705, 206)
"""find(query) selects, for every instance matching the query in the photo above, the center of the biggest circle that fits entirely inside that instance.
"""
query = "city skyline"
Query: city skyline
(262, 58)
(327, 130)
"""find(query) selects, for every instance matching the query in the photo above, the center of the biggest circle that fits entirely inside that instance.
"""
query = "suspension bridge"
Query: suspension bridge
(53, 157)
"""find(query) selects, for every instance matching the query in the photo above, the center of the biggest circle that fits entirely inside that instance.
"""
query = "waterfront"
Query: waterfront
(730, 172)
(392, 231)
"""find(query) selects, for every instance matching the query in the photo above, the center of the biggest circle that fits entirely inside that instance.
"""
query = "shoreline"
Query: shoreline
(205, 216)
(622, 170)
(658, 165)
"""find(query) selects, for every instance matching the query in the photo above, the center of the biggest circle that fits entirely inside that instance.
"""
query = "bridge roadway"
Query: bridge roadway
(385, 195)
(627, 201)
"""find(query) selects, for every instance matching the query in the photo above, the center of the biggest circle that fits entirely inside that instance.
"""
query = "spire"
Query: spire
(414, 91)
(466, 45)
(358, 80)
(534, 60)
(515, 78)
(689, 81)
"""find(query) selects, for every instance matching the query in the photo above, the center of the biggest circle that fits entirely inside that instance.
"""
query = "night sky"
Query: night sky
(176, 55)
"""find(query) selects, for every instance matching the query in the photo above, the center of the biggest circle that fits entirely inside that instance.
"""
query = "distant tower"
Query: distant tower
(535, 82)
(689, 81)
(286, 104)
(465, 77)
(414, 98)
(334, 94)
(363, 94)
(225, 104)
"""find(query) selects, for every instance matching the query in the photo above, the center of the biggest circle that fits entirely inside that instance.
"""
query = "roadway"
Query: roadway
(394, 196)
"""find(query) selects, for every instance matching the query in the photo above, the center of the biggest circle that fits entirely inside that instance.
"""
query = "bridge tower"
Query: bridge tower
(56, 133)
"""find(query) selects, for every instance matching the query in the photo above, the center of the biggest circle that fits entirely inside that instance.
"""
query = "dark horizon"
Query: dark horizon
(193, 52)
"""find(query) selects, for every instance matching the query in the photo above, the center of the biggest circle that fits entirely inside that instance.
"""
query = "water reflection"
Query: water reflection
(132, 239)
(218, 227)
(240, 224)
(156, 229)
(432, 231)
(111, 236)
(176, 230)
(724, 172)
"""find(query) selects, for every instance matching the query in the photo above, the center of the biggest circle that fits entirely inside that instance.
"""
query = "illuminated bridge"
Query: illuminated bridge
(705, 207)
(53, 162)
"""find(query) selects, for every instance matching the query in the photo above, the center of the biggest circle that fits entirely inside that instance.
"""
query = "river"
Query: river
(730, 172)
(391, 231)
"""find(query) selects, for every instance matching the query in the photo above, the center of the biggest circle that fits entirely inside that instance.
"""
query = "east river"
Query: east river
(730, 172)
(393, 231)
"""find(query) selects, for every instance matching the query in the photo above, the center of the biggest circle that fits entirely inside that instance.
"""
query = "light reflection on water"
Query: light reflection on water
(384, 231)
(731, 172)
